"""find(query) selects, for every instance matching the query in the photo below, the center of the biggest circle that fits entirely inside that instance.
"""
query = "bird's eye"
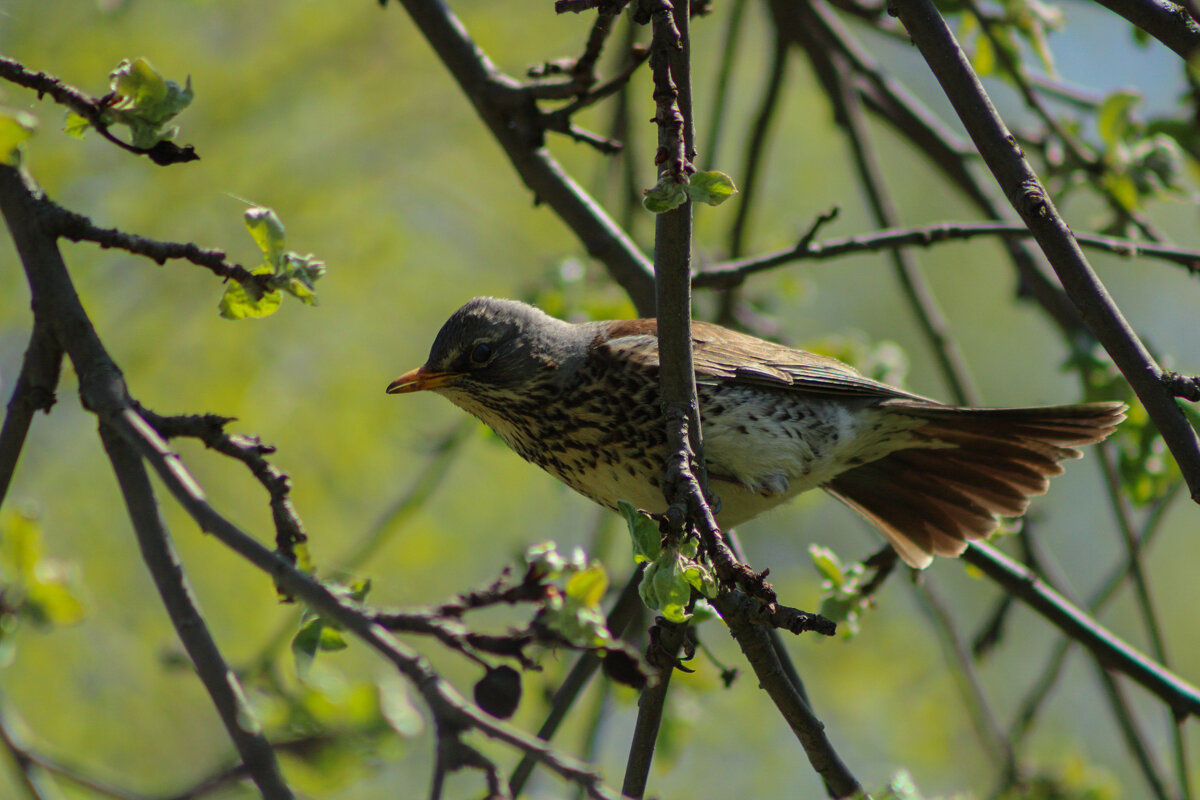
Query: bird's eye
(481, 354)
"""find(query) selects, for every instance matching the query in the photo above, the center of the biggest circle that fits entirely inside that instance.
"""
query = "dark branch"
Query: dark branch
(163, 563)
(210, 429)
(1182, 698)
(1028, 196)
(730, 273)
(34, 391)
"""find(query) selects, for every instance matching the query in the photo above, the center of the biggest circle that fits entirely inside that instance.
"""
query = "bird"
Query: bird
(581, 401)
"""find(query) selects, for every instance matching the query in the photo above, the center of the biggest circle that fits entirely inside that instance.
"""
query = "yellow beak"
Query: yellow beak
(419, 380)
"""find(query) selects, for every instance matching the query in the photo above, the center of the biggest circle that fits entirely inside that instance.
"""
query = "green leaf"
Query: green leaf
(712, 187)
(664, 196)
(587, 586)
(827, 563)
(15, 127)
(314, 636)
(76, 125)
(644, 532)
(1122, 188)
(665, 588)
(237, 303)
(267, 232)
(700, 578)
(299, 274)
(50, 602)
(146, 101)
(841, 597)
(984, 58)
(20, 549)
(1114, 120)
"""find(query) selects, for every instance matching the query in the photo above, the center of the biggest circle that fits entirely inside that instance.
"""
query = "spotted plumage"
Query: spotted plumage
(581, 401)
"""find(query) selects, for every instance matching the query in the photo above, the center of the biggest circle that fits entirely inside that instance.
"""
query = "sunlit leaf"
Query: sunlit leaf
(267, 232)
(146, 101)
(15, 127)
(1115, 116)
(237, 303)
(644, 532)
(712, 188)
(588, 586)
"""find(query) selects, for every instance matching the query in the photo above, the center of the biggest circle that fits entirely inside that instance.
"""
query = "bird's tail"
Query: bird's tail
(967, 466)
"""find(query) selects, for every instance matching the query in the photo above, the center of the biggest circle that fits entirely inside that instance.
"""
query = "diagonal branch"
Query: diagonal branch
(33, 392)
(1028, 196)
(1180, 696)
(514, 120)
(163, 563)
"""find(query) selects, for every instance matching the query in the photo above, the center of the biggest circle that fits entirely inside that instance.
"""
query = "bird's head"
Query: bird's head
(492, 346)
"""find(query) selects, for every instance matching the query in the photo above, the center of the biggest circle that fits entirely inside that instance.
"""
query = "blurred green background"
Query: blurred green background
(339, 117)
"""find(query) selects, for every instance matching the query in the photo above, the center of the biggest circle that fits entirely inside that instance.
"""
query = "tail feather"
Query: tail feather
(964, 470)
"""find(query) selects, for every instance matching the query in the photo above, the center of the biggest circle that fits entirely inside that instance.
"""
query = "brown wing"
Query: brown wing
(720, 354)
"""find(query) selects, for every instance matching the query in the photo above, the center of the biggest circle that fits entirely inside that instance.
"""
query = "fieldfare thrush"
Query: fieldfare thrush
(581, 401)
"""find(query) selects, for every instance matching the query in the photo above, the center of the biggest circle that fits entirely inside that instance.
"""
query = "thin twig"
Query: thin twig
(848, 111)
(651, 706)
(78, 228)
(756, 646)
(1023, 721)
(731, 272)
(995, 745)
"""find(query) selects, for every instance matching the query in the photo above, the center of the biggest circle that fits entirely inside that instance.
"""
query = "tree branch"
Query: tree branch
(514, 120)
(1028, 196)
(1018, 580)
(729, 273)
(1171, 24)
(163, 563)
(34, 391)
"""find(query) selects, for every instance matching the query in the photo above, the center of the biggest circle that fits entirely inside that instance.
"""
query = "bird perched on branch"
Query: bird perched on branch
(582, 402)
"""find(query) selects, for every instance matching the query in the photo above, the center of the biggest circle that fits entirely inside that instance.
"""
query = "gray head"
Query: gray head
(493, 344)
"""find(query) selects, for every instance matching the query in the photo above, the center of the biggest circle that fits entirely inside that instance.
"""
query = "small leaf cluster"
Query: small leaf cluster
(336, 727)
(712, 188)
(571, 610)
(319, 634)
(1140, 162)
(1021, 21)
(142, 100)
(842, 599)
(1146, 470)
(34, 590)
(672, 570)
(288, 272)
